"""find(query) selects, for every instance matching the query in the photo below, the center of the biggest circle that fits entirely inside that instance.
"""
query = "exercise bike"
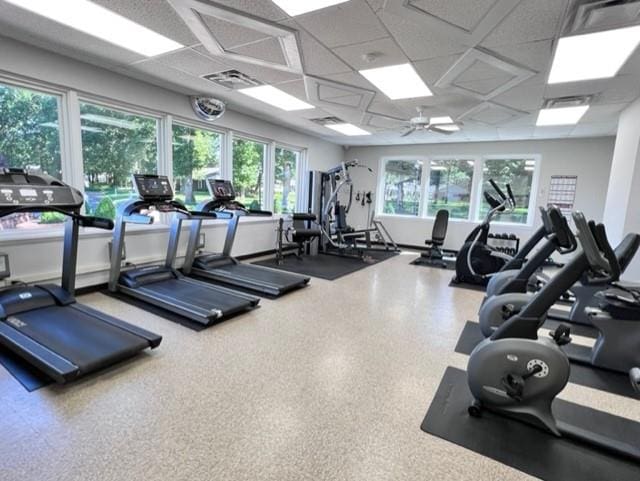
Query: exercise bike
(476, 261)
(517, 374)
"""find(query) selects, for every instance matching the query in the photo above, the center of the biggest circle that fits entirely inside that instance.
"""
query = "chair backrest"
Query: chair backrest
(440, 226)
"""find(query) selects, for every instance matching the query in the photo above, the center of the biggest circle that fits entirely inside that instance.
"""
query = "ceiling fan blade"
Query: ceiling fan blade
(433, 128)
(410, 131)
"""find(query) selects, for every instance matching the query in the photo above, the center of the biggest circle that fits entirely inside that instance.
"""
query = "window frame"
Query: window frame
(300, 184)
(381, 184)
(472, 195)
(533, 198)
(268, 164)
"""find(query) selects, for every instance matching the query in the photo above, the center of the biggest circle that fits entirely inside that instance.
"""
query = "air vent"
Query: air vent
(328, 121)
(573, 101)
(593, 15)
(232, 79)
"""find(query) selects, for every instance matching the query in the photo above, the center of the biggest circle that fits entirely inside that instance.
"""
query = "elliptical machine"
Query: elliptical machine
(517, 374)
(476, 261)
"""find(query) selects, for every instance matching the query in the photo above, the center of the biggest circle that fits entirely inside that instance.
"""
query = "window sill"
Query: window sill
(56, 232)
(457, 221)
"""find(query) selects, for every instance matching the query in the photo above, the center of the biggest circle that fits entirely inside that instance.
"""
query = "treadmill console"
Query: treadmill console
(221, 189)
(19, 188)
(156, 188)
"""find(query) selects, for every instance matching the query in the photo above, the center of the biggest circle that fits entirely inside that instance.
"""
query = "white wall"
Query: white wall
(589, 159)
(37, 259)
(621, 208)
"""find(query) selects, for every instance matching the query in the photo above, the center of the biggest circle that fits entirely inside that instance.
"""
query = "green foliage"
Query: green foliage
(248, 165)
(402, 187)
(29, 133)
(514, 172)
(52, 218)
(286, 166)
(105, 208)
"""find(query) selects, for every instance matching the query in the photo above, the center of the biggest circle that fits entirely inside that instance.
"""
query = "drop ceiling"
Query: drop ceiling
(487, 65)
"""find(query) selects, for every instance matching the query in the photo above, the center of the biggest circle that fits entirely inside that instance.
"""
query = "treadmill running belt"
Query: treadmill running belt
(271, 276)
(202, 297)
(84, 340)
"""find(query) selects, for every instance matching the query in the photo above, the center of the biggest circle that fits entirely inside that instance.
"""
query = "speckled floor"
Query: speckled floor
(328, 383)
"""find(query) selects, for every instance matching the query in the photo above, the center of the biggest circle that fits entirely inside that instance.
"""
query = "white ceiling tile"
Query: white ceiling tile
(593, 129)
(343, 24)
(515, 133)
(456, 12)
(264, 8)
(526, 96)
(552, 132)
(385, 50)
(531, 20)
(535, 55)
(192, 62)
(158, 15)
(434, 68)
(350, 78)
(376, 5)
(230, 34)
(623, 88)
(317, 59)
(392, 109)
(418, 42)
(269, 50)
(603, 113)
(295, 88)
(163, 75)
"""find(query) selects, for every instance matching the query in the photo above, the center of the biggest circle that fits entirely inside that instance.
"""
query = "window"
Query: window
(450, 183)
(248, 172)
(196, 156)
(286, 174)
(402, 186)
(30, 139)
(519, 173)
(115, 144)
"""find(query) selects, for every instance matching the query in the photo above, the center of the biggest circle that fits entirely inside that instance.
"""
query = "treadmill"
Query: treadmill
(162, 285)
(43, 323)
(223, 267)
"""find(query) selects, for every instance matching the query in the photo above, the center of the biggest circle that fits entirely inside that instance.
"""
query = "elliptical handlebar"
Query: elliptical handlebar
(511, 196)
(497, 189)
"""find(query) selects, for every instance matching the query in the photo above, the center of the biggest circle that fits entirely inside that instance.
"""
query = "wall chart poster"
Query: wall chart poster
(562, 192)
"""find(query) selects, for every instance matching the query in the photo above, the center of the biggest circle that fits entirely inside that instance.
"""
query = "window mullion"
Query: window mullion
(71, 140)
(165, 147)
(269, 176)
(424, 187)
(476, 190)
(226, 169)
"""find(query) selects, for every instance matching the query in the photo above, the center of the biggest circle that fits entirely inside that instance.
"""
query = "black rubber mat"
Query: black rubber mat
(528, 449)
(158, 311)
(326, 266)
(464, 285)
(421, 261)
(27, 375)
(613, 382)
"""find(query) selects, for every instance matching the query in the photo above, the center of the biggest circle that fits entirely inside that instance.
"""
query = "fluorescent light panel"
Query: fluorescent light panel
(348, 129)
(397, 81)
(298, 7)
(441, 120)
(276, 97)
(561, 116)
(593, 55)
(92, 19)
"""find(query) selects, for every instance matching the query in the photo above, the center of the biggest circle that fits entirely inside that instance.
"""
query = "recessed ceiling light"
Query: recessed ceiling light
(561, 116)
(397, 81)
(298, 7)
(441, 120)
(348, 129)
(276, 97)
(102, 23)
(593, 55)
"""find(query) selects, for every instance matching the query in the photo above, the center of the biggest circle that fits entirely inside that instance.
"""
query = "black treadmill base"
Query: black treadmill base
(613, 382)
(525, 447)
(158, 311)
(23, 372)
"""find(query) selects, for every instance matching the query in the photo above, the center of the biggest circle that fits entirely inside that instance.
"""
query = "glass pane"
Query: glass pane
(450, 184)
(196, 156)
(30, 139)
(285, 191)
(248, 172)
(115, 145)
(402, 187)
(518, 173)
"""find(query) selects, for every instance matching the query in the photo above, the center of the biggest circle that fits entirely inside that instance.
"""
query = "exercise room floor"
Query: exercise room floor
(328, 383)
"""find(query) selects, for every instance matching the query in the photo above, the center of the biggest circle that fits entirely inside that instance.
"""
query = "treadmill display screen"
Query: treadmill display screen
(35, 196)
(221, 189)
(153, 187)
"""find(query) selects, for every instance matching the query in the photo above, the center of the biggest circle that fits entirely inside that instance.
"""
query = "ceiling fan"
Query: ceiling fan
(441, 125)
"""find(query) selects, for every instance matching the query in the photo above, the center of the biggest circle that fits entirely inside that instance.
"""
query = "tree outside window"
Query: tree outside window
(248, 172)
(286, 172)
(115, 145)
(29, 139)
(518, 173)
(196, 156)
(450, 184)
(402, 184)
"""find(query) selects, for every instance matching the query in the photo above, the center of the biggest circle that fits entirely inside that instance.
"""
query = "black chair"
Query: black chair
(300, 234)
(434, 254)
